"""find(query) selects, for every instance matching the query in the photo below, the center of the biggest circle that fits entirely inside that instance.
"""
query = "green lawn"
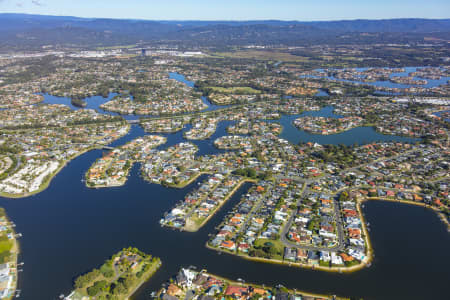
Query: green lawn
(118, 277)
(5, 246)
(245, 90)
(265, 55)
(277, 244)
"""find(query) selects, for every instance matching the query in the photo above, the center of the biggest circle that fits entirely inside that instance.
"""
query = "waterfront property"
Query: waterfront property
(190, 283)
(118, 278)
(113, 168)
(201, 204)
(304, 209)
(37, 155)
(9, 251)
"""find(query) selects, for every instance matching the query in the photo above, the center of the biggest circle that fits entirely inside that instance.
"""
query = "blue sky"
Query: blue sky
(304, 10)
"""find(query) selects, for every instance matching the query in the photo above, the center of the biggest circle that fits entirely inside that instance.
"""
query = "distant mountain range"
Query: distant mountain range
(23, 30)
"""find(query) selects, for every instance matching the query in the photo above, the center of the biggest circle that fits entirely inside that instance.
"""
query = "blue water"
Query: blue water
(431, 83)
(359, 135)
(439, 113)
(206, 146)
(181, 78)
(322, 93)
(68, 229)
(326, 112)
(93, 102)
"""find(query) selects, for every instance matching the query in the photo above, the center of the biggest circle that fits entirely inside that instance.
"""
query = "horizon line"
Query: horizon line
(225, 20)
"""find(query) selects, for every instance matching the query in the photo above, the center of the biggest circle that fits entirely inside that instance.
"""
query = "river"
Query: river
(386, 83)
(94, 102)
(69, 229)
(358, 135)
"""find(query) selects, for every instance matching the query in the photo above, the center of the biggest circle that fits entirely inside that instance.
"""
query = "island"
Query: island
(118, 278)
(277, 147)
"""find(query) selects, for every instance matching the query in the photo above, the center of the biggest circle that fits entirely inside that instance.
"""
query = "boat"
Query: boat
(78, 103)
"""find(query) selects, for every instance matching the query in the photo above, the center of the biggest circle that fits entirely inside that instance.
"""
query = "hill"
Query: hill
(19, 31)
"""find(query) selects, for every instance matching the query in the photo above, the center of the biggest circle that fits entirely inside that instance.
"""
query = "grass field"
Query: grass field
(234, 90)
(115, 47)
(5, 246)
(277, 244)
(262, 55)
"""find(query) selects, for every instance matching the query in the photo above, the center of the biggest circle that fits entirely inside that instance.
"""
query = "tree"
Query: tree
(97, 287)
(85, 279)
(251, 173)
(246, 172)
(4, 256)
(128, 281)
(343, 196)
(119, 288)
(127, 165)
(106, 270)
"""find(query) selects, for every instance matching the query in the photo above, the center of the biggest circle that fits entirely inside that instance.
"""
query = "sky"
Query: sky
(302, 10)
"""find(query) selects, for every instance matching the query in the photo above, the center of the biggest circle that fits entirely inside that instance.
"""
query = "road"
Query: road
(340, 231)
(337, 215)
(254, 209)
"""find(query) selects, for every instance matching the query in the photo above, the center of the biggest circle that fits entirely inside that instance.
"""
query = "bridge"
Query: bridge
(106, 147)
(103, 147)
(133, 121)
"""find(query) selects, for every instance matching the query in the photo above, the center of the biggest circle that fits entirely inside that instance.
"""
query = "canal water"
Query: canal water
(69, 229)
(358, 135)
(439, 114)
(181, 78)
(386, 83)
(94, 102)
(321, 93)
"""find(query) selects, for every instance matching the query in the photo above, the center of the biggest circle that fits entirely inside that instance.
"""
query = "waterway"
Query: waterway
(358, 135)
(322, 93)
(68, 229)
(439, 114)
(181, 78)
(386, 83)
(94, 102)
